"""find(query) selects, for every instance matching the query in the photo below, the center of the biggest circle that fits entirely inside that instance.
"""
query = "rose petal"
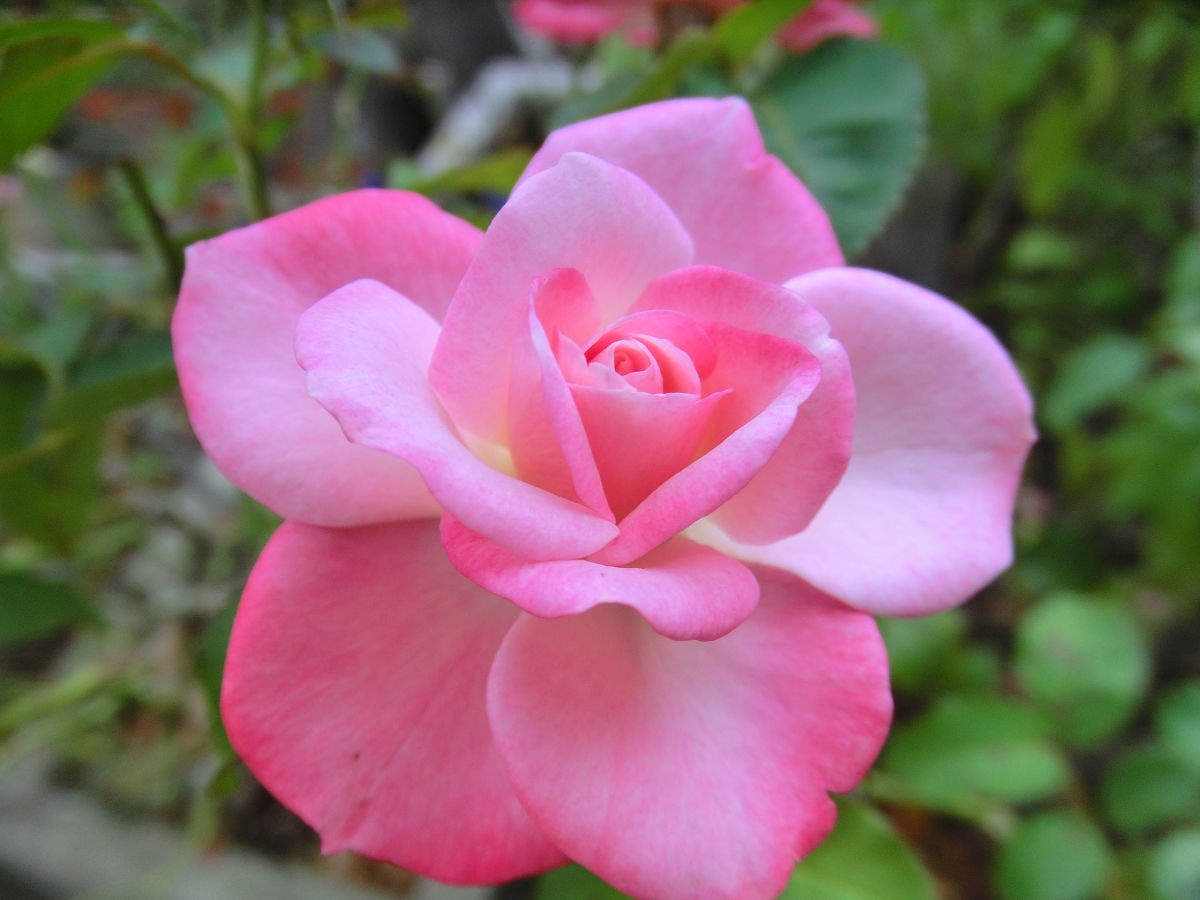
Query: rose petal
(823, 20)
(366, 350)
(546, 436)
(752, 214)
(355, 689)
(686, 591)
(684, 769)
(581, 22)
(581, 214)
(767, 380)
(233, 332)
(788, 490)
(640, 440)
(923, 516)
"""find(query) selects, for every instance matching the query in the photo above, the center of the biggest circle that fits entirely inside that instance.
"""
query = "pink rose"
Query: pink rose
(586, 21)
(588, 514)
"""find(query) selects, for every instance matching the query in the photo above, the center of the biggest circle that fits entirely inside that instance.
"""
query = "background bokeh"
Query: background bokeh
(1037, 162)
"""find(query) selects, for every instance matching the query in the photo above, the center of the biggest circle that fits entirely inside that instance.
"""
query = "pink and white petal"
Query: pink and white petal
(762, 382)
(233, 332)
(686, 591)
(823, 20)
(743, 208)
(679, 769)
(922, 518)
(547, 440)
(582, 213)
(355, 690)
(366, 352)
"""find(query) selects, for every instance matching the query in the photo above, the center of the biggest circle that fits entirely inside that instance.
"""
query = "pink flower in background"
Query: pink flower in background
(588, 514)
(587, 21)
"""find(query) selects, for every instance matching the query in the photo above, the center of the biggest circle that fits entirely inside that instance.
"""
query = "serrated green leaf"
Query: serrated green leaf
(968, 753)
(848, 119)
(1084, 662)
(862, 859)
(31, 607)
(1053, 856)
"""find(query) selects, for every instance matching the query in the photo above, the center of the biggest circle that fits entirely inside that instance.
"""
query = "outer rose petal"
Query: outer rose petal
(685, 590)
(823, 20)
(682, 769)
(923, 517)
(366, 350)
(582, 214)
(355, 691)
(752, 215)
(233, 332)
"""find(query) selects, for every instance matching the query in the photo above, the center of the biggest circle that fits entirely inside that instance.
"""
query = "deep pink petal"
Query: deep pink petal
(680, 769)
(355, 691)
(366, 351)
(547, 439)
(574, 22)
(823, 20)
(923, 516)
(749, 214)
(581, 214)
(789, 489)
(234, 329)
(685, 590)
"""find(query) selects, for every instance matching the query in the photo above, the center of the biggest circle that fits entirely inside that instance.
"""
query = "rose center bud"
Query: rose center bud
(645, 363)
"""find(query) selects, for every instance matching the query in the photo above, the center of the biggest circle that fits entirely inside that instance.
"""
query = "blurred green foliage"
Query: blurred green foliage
(1047, 742)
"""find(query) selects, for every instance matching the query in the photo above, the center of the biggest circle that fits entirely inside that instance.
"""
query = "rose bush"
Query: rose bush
(588, 514)
(586, 21)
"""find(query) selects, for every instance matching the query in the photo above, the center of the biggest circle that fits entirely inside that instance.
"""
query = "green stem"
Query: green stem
(168, 250)
(250, 162)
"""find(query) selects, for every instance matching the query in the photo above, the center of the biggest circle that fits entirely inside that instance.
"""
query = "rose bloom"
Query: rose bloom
(587, 21)
(588, 515)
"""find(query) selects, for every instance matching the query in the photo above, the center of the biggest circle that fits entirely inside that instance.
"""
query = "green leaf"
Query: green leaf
(1148, 787)
(496, 173)
(919, 649)
(365, 49)
(743, 30)
(1053, 856)
(969, 753)
(1084, 662)
(138, 368)
(848, 119)
(574, 883)
(863, 859)
(1178, 721)
(1174, 868)
(210, 666)
(1095, 374)
(31, 607)
(45, 66)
